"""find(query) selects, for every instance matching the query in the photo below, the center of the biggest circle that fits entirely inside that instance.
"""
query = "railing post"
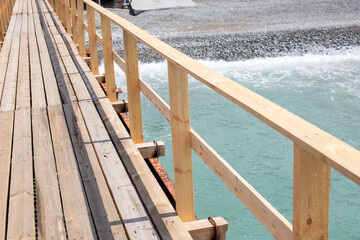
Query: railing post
(108, 58)
(67, 16)
(311, 196)
(94, 59)
(74, 22)
(2, 23)
(133, 87)
(82, 47)
(181, 141)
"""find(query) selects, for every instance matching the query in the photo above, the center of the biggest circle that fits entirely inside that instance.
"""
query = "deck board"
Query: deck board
(57, 135)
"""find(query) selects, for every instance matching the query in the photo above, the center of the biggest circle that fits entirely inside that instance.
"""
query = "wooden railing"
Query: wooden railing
(6, 7)
(315, 151)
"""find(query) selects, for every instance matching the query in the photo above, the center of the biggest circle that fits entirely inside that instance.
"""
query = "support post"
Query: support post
(74, 22)
(94, 59)
(311, 196)
(67, 16)
(108, 58)
(133, 87)
(181, 141)
(80, 18)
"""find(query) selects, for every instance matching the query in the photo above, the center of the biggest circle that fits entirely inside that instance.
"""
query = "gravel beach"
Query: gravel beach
(232, 30)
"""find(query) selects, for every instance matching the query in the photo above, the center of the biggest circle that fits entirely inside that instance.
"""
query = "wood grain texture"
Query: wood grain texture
(21, 220)
(6, 134)
(133, 87)
(94, 59)
(108, 59)
(49, 210)
(77, 216)
(106, 218)
(311, 196)
(181, 141)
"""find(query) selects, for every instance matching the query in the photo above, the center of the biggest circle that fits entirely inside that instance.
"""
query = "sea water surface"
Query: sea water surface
(322, 89)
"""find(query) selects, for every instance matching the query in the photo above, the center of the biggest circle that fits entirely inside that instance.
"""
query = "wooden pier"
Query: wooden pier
(69, 168)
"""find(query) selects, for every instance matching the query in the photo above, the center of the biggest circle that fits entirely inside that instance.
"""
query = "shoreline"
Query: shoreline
(244, 46)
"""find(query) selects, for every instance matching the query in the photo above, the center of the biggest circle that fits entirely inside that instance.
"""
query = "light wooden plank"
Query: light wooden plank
(48, 62)
(181, 141)
(6, 134)
(269, 217)
(151, 149)
(21, 221)
(108, 59)
(9, 89)
(82, 47)
(133, 87)
(49, 211)
(94, 59)
(38, 99)
(329, 149)
(78, 220)
(104, 212)
(205, 230)
(23, 91)
(67, 13)
(311, 196)
(133, 214)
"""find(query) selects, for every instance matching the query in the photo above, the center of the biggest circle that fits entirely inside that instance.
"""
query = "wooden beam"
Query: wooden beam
(67, 16)
(74, 22)
(100, 78)
(181, 141)
(133, 87)
(80, 19)
(108, 58)
(151, 149)
(311, 196)
(120, 107)
(205, 230)
(94, 59)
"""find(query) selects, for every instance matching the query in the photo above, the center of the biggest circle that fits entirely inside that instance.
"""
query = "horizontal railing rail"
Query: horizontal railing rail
(315, 151)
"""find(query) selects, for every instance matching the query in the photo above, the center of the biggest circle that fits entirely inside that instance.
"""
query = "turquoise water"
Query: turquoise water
(322, 89)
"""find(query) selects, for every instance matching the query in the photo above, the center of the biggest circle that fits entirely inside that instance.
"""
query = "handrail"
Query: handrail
(315, 151)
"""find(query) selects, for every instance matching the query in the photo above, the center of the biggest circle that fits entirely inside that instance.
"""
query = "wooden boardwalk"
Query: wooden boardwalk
(68, 168)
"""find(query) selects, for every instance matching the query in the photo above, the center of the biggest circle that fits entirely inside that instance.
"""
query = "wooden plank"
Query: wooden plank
(94, 59)
(329, 149)
(181, 141)
(49, 211)
(269, 217)
(9, 90)
(105, 215)
(78, 220)
(133, 214)
(23, 92)
(38, 99)
(133, 87)
(151, 149)
(21, 221)
(108, 59)
(48, 62)
(6, 134)
(205, 230)
(311, 196)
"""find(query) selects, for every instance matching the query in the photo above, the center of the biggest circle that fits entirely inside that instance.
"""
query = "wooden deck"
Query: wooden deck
(68, 167)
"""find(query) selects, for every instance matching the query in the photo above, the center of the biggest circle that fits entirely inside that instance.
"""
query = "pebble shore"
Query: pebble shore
(232, 30)
(237, 46)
